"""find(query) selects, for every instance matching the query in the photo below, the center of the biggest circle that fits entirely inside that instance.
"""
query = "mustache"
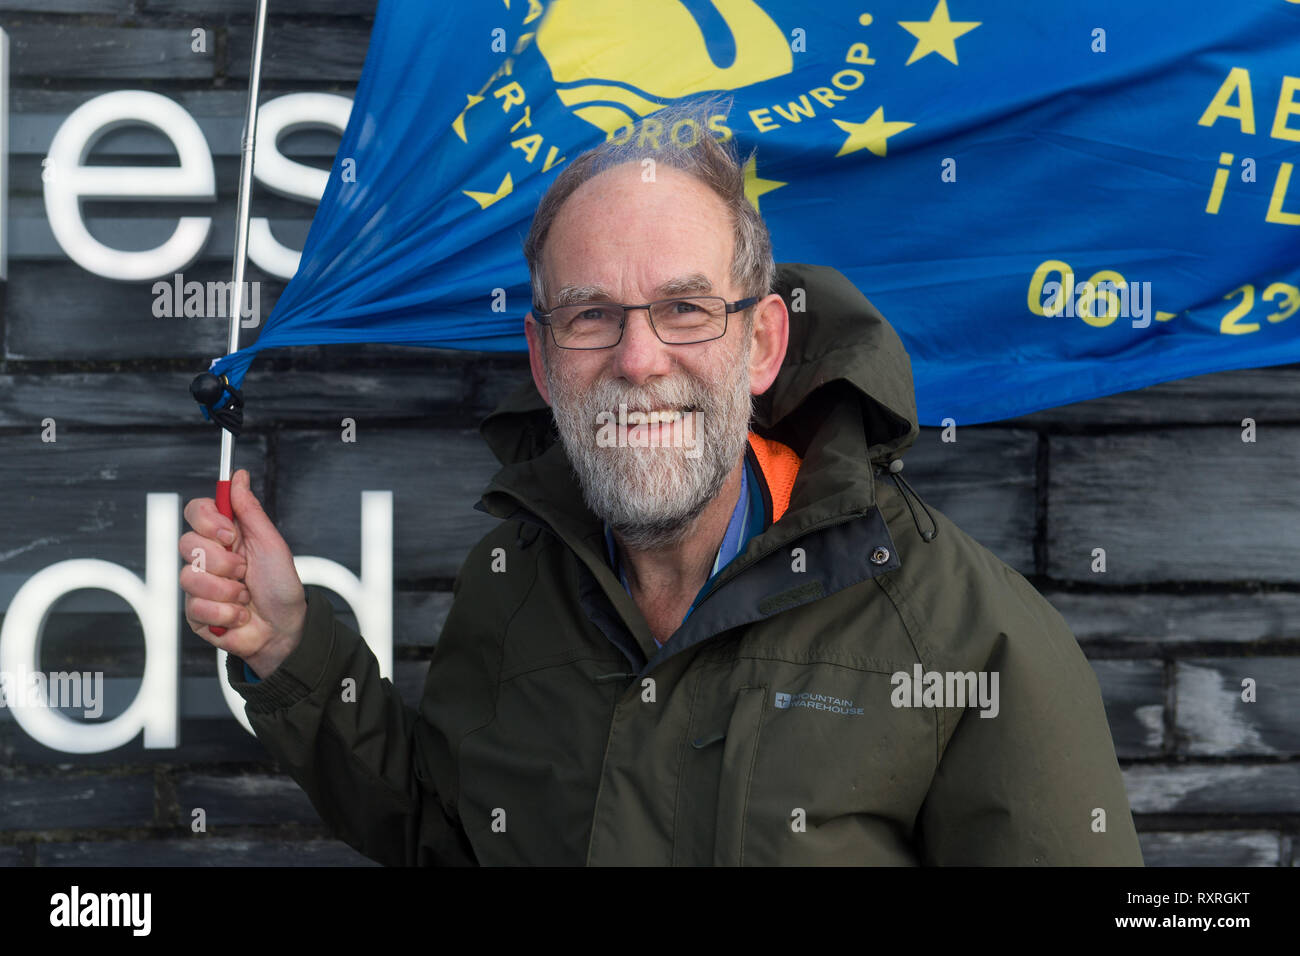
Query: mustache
(683, 396)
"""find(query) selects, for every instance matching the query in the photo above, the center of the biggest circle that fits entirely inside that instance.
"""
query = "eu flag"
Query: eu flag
(1049, 201)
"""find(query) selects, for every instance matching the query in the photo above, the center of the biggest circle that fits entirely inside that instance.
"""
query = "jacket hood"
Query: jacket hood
(843, 401)
(840, 346)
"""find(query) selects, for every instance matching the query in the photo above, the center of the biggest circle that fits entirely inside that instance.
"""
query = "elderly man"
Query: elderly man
(712, 626)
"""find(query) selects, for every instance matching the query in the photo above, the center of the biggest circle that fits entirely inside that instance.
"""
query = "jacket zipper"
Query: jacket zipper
(830, 523)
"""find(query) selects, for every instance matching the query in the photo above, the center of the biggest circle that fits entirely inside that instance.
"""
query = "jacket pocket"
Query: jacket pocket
(739, 751)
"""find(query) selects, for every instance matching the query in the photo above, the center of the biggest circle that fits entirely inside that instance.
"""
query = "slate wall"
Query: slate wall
(1200, 529)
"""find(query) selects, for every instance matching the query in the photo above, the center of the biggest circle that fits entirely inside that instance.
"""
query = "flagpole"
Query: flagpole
(241, 248)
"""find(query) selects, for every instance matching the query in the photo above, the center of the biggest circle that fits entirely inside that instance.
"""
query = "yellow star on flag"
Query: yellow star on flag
(486, 199)
(754, 186)
(870, 135)
(937, 35)
(458, 124)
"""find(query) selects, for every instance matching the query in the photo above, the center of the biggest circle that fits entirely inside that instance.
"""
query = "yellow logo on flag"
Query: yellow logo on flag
(596, 49)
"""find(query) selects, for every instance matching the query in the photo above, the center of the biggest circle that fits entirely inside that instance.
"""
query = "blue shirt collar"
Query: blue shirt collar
(747, 521)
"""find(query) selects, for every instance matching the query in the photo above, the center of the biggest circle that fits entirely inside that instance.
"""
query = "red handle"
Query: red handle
(223, 505)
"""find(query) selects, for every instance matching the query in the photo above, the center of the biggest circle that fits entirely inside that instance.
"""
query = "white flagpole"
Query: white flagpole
(241, 247)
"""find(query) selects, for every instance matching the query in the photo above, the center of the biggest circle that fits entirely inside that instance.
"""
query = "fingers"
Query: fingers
(252, 520)
(201, 614)
(213, 587)
(202, 515)
(205, 555)
(212, 579)
(215, 595)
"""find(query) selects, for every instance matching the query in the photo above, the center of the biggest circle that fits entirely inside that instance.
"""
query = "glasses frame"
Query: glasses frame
(543, 316)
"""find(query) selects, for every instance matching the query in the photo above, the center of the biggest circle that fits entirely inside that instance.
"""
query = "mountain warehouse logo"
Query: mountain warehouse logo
(616, 62)
(833, 705)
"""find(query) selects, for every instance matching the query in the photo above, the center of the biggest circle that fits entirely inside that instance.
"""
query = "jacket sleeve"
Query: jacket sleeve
(364, 759)
(1024, 787)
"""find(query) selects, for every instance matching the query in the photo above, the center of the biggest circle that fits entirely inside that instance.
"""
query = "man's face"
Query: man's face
(629, 241)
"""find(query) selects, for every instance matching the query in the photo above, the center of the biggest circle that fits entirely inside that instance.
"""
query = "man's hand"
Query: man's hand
(248, 584)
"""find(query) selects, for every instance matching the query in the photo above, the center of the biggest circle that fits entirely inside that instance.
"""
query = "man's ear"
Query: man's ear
(536, 336)
(771, 336)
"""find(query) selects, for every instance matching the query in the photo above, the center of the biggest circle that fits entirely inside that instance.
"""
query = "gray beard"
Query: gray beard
(652, 496)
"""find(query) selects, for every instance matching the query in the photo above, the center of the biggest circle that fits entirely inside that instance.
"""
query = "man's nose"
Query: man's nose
(640, 355)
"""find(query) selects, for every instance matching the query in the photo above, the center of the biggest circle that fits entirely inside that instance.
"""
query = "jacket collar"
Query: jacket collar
(843, 400)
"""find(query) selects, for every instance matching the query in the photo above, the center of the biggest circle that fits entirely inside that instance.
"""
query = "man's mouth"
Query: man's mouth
(655, 416)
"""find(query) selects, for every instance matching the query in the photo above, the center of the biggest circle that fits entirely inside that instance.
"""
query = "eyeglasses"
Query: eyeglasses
(681, 321)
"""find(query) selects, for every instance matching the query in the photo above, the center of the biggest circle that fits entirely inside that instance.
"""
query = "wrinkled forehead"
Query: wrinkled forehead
(639, 230)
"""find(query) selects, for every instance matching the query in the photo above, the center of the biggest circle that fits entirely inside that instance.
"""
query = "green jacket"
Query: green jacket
(771, 728)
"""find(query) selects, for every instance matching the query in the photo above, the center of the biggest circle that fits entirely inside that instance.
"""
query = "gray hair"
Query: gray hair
(713, 163)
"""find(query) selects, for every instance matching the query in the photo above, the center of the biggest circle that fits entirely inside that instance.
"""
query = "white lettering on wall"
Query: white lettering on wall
(156, 602)
(73, 181)
(283, 176)
(370, 596)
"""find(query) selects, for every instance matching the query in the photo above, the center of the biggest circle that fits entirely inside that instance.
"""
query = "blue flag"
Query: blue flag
(1050, 202)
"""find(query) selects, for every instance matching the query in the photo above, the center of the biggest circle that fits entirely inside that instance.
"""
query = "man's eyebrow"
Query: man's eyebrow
(693, 283)
(574, 294)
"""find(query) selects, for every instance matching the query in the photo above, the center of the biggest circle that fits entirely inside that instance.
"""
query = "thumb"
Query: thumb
(253, 523)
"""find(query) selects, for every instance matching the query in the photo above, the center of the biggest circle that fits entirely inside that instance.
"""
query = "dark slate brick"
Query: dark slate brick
(1212, 719)
(69, 800)
(205, 742)
(110, 641)
(1162, 619)
(498, 377)
(272, 397)
(109, 398)
(323, 399)
(32, 133)
(984, 482)
(409, 678)
(1210, 848)
(12, 856)
(1268, 395)
(68, 6)
(1133, 694)
(436, 476)
(111, 644)
(147, 223)
(225, 8)
(85, 495)
(334, 52)
(1193, 504)
(208, 730)
(243, 799)
(418, 616)
(202, 851)
(72, 50)
(102, 319)
(201, 103)
(1213, 788)
(200, 696)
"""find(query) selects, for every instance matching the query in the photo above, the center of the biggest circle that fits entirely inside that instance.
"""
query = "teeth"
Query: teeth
(662, 416)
